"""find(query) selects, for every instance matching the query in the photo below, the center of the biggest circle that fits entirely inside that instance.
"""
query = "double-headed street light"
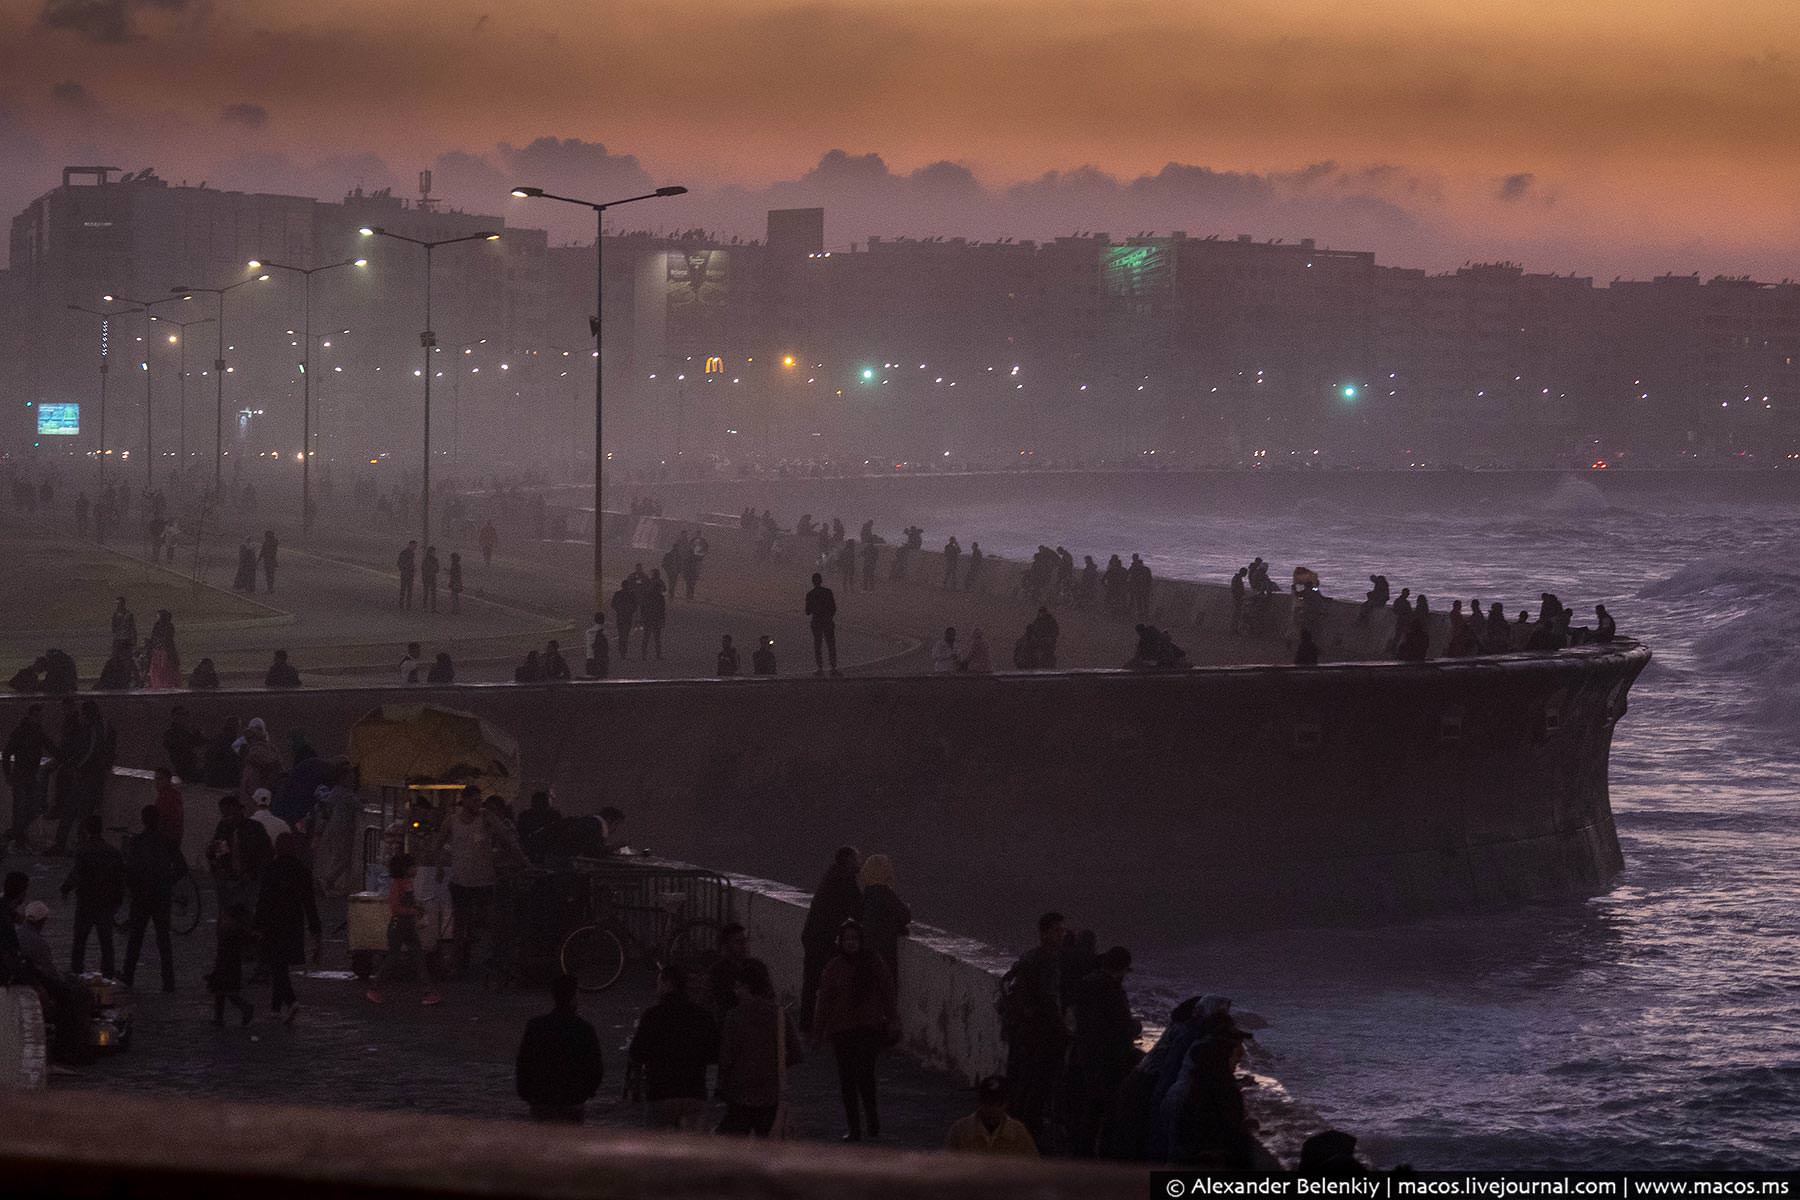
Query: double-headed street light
(180, 340)
(106, 317)
(427, 340)
(538, 193)
(306, 446)
(188, 293)
(149, 443)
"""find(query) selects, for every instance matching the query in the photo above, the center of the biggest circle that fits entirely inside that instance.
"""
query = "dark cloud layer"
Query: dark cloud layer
(104, 21)
(246, 116)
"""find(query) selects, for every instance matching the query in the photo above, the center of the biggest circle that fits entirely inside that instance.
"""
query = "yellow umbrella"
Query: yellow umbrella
(406, 743)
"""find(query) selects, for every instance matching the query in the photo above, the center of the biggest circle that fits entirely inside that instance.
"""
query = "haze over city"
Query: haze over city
(1604, 139)
(934, 599)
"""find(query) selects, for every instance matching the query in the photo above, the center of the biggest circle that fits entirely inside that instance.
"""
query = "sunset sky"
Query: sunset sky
(1602, 137)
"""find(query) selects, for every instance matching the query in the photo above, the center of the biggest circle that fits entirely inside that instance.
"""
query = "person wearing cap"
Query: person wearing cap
(1104, 1050)
(31, 939)
(263, 814)
(989, 1130)
(67, 1003)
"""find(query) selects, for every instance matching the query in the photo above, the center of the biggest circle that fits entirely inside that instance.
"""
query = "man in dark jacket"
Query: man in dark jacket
(286, 913)
(1104, 1050)
(837, 899)
(675, 1040)
(559, 1066)
(85, 762)
(1033, 1024)
(25, 751)
(182, 744)
(153, 864)
(821, 612)
(98, 881)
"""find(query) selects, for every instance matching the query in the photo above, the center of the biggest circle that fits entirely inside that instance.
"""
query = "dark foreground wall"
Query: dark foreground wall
(1140, 803)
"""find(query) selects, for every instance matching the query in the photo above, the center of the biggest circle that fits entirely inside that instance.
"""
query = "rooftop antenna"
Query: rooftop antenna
(426, 203)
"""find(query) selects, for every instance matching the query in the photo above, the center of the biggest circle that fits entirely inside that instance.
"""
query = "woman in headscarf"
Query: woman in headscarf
(258, 761)
(886, 917)
(165, 661)
(856, 1013)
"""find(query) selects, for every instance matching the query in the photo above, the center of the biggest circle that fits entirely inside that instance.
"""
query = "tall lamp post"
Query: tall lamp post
(181, 374)
(106, 317)
(538, 193)
(149, 443)
(188, 293)
(427, 340)
(306, 274)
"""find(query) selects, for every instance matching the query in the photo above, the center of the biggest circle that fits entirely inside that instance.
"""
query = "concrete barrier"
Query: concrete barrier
(947, 982)
(93, 1144)
(1350, 792)
(24, 1058)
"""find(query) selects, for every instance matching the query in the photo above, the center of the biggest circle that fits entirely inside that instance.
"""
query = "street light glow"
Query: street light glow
(254, 264)
(367, 231)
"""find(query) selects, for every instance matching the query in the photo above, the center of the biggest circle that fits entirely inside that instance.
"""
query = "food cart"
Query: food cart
(417, 758)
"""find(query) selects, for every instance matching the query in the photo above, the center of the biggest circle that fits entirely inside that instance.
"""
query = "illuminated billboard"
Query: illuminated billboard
(57, 420)
(1139, 270)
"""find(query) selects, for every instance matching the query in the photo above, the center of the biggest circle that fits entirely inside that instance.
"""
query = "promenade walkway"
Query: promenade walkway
(454, 1059)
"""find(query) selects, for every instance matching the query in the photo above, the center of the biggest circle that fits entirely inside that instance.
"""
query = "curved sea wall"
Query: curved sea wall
(1136, 802)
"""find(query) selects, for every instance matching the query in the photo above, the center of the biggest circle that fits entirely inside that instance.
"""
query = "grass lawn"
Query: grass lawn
(70, 587)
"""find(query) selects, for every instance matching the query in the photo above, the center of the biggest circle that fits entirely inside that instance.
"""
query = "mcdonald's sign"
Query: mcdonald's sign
(715, 365)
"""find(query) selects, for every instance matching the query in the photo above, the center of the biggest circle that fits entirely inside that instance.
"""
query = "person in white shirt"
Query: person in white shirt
(410, 665)
(272, 825)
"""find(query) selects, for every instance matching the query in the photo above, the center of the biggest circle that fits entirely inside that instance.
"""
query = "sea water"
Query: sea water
(1657, 1025)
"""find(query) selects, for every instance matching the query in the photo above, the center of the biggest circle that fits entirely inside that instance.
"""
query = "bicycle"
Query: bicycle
(184, 902)
(596, 953)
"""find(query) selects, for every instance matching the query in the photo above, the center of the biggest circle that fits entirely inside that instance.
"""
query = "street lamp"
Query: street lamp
(180, 339)
(106, 317)
(149, 443)
(427, 340)
(188, 293)
(306, 273)
(538, 193)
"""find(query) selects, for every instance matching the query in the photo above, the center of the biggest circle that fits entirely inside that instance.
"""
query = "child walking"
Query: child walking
(226, 983)
(404, 913)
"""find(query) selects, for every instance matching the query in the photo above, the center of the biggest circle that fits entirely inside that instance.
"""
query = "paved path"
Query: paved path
(456, 1058)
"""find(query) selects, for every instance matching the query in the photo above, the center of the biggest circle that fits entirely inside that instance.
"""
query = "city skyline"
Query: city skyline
(1572, 142)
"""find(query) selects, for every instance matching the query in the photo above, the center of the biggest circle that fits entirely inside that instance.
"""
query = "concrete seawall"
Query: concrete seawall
(1140, 803)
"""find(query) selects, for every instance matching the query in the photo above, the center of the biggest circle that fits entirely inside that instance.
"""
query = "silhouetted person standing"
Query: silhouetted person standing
(428, 577)
(407, 565)
(559, 1066)
(837, 899)
(456, 582)
(653, 610)
(762, 661)
(271, 547)
(952, 553)
(624, 606)
(821, 611)
(153, 864)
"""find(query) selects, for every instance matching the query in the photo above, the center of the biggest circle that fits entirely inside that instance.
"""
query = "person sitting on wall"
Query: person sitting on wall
(281, 672)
